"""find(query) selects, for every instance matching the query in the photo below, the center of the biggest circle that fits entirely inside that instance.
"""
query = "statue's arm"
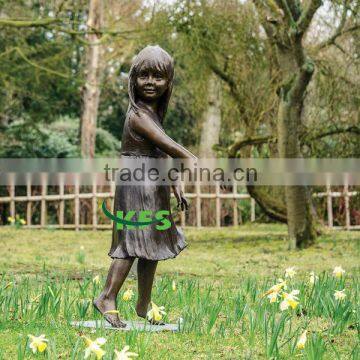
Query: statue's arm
(146, 127)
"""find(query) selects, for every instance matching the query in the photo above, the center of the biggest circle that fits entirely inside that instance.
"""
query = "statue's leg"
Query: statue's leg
(119, 269)
(146, 272)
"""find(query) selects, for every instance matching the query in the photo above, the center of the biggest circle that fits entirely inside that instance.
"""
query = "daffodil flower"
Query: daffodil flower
(124, 354)
(302, 340)
(11, 219)
(338, 271)
(339, 295)
(96, 279)
(128, 294)
(35, 298)
(156, 312)
(8, 285)
(273, 297)
(290, 272)
(22, 222)
(290, 300)
(276, 288)
(38, 343)
(313, 278)
(93, 347)
(173, 285)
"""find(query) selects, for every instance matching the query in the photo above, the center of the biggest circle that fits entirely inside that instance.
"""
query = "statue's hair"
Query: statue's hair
(155, 58)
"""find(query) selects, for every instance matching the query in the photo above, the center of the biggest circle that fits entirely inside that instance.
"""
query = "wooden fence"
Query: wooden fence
(94, 195)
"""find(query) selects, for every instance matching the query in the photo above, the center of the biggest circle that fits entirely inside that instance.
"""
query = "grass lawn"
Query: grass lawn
(221, 277)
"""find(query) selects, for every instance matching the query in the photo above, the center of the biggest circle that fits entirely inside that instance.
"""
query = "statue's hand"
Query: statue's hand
(181, 200)
(223, 187)
(184, 203)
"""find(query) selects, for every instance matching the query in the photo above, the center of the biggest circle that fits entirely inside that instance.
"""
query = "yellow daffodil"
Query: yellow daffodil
(339, 295)
(290, 300)
(11, 219)
(290, 272)
(35, 298)
(173, 285)
(96, 279)
(8, 285)
(128, 294)
(338, 271)
(38, 343)
(156, 312)
(94, 347)
(276, 288)
(302, 340)
(273, 297)
(313, 278)
(22, 222)
(124, 354)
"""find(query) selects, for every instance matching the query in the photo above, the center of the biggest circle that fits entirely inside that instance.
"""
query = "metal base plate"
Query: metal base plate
(130, 325)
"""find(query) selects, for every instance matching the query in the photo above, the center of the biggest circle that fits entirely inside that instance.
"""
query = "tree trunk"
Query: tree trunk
(210, 133)
(212, 119)
(301, 229)
(91, 90)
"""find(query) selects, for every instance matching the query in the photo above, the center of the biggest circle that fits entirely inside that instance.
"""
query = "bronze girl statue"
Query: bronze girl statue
(150, 86)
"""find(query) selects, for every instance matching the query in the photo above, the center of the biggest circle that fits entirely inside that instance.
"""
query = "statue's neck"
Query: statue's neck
(151, 106)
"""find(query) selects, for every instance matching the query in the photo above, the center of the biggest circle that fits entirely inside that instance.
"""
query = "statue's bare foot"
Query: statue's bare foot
(103, 305)
(142, 311)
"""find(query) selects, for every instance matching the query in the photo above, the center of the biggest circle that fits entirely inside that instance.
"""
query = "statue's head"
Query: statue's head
(151, 78)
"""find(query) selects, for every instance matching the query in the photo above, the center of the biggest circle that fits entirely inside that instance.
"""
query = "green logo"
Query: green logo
(144, 218)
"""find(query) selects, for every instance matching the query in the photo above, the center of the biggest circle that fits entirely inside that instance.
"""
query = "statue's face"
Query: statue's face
(151, 84)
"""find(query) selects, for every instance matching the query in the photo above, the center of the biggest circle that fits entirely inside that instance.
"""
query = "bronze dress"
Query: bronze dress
(148, 243)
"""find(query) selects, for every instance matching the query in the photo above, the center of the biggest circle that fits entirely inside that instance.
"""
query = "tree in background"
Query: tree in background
(262, 58)
(42, 68)
(93, 72)
(286, 23)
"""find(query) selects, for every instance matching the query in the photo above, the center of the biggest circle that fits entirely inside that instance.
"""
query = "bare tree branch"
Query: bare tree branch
(234, 148)
(284, 6)
(28, 23)
(294, 6)
(307, 14)
(50, 22)
(32, 63)
(223, 76)
(337, 34)
(302, 80)
(305, 138)
(269, 20)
